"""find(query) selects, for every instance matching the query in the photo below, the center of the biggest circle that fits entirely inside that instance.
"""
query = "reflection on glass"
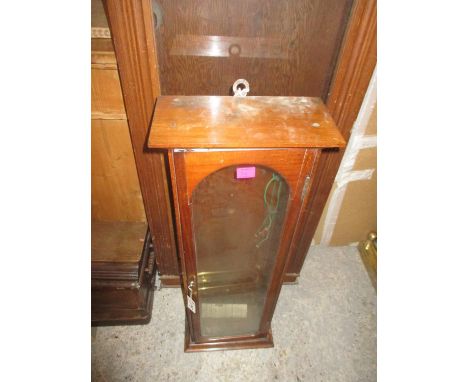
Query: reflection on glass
(238, 215)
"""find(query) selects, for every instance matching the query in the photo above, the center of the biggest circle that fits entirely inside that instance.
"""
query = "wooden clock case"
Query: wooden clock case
(209, 139)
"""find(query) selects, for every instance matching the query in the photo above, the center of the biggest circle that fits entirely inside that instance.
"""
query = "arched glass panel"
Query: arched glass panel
(237, 214)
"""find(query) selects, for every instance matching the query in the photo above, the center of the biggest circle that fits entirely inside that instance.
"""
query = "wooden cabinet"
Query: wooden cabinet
(241, 171)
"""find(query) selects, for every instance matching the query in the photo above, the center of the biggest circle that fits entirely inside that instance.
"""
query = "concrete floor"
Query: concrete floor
(324, 329)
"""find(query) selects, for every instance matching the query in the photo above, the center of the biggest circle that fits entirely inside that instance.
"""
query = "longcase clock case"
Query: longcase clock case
(240, 169)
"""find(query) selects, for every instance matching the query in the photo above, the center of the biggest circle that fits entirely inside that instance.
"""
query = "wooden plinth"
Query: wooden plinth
(234, 344)
(122, 275)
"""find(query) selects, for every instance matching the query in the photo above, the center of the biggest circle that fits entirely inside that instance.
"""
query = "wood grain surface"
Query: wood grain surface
(203, 164)
(131, 25)
(282, 47)
(106, 95)
(242, 122)
(355, 67)
(102, 54)
(115, 191)
(117, 241)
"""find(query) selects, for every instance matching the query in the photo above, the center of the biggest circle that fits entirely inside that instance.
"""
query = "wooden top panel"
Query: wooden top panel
(242, 122)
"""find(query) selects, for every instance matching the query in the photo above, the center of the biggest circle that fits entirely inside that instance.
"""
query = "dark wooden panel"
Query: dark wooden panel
(122, 292)
(355, 67)
(282, 47)
(247, 122)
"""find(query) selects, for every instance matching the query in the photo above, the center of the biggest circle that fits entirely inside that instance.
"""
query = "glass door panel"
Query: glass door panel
(237, 218)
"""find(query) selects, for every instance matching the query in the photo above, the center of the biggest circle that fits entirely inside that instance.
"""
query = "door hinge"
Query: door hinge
(305, 187)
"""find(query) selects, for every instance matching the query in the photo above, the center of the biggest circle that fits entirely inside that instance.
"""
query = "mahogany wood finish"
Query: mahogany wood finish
(352, 75)
(131, 26)
(247, 343)
(247, 122)
(190, 163)
(187, 169)
(203, 165)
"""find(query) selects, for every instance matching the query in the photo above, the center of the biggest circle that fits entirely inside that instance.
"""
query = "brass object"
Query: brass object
(368, 251)
(230, 281)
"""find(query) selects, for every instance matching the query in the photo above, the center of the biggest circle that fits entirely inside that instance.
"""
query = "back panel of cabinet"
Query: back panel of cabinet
(282, 47)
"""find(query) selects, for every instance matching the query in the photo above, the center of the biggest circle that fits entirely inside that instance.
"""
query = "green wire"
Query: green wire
(271, 210)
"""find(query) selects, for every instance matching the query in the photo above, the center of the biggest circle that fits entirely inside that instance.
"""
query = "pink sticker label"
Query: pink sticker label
(245, 172)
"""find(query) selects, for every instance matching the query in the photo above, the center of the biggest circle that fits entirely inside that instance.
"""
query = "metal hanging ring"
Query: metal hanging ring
(240, 91)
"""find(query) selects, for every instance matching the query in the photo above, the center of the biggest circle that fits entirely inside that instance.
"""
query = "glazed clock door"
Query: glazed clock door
(238, 211)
